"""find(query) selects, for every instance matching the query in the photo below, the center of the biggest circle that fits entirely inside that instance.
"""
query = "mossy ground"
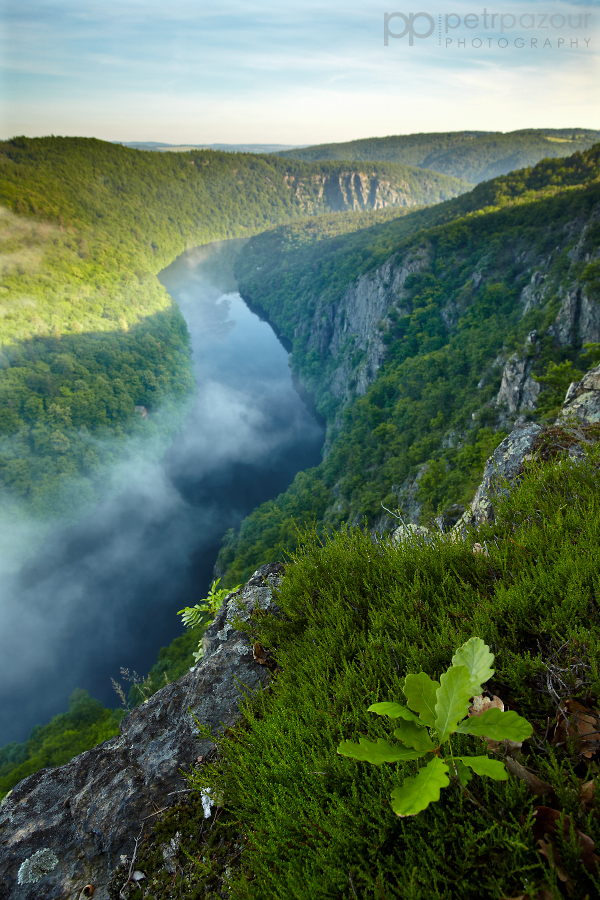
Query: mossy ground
(300, 821)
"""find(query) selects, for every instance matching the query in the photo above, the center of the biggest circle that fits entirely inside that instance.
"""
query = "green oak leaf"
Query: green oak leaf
(476, 656)
(415, 736)
(453, 698)
(377, 753)
(497, 725)
(420, 692)
(393, 710)
(483, 765)
(417, 793)
(463, 772)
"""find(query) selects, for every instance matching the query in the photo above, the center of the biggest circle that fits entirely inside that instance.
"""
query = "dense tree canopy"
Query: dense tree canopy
(429, 411)
(473, 155)
(87, 334)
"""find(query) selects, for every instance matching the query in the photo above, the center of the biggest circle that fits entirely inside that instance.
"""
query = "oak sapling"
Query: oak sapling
(434, 711)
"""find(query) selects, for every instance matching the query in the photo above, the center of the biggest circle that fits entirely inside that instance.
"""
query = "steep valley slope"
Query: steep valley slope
(422, 339)
(88, 336)
(420, 334)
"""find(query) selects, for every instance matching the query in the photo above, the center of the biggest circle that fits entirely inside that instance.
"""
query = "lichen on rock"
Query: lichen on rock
(38, 865)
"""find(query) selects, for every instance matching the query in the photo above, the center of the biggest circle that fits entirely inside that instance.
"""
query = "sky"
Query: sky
(263, 71)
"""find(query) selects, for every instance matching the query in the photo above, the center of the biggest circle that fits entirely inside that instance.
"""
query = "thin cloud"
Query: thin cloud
(95, 68)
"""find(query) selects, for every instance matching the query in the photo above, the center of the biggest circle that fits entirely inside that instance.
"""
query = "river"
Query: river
(104, 594)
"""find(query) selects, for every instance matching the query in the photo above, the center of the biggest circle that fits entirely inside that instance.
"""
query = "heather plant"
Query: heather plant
(357, 618)
(432, 715)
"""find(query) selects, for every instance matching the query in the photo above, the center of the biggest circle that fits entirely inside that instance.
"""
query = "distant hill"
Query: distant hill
(229, 148)
(473, 155)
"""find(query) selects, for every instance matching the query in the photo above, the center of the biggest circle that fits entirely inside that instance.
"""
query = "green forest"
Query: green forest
(472, 155)
(86, 724)
(431, 402)
(88, 334)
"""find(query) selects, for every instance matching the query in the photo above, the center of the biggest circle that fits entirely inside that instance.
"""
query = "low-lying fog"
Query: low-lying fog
(104, 594)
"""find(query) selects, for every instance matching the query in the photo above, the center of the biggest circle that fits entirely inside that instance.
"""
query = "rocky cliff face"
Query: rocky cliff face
(63, 831)
(354, 190)
(582, 403)
(581, 408)
(518, 390)
(348, 334)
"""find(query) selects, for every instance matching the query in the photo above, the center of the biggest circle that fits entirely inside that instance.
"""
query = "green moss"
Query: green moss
(206, 852)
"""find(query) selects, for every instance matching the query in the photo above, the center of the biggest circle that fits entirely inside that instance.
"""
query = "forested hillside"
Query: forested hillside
(472, 155)
(87, 333)
(404, 331)
(402, 324)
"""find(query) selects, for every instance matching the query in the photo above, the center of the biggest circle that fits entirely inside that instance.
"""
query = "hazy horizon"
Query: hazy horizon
(308, 74)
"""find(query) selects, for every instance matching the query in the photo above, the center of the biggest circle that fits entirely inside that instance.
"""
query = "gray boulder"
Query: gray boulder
(64, 830)
(581, 407)
(583, 400)
(410, 534)
(504, 465)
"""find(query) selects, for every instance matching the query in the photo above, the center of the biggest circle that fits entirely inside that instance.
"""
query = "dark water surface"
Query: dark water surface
(105, 593)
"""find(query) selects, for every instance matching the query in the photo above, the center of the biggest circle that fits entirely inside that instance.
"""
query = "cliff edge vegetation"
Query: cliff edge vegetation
(423, 340)
(280, 813)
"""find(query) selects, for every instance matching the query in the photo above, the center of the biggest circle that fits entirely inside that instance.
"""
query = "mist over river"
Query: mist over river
(104, 594)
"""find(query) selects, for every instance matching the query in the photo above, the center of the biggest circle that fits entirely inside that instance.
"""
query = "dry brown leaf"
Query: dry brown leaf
(478, 548)
(553, 857)
(586, 793)
(547, 822)
(260, 654)
(577, 721)
(481, 704)
(505, 747)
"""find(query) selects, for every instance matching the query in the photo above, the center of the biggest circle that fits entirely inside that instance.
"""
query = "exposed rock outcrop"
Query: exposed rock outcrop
(532, 294)
(86, 814)
(583, 400)
(581, 406)
(578, 319)
(355, 190)
(349, 333)
(505, 464)
(518, 390)
(410, 533)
